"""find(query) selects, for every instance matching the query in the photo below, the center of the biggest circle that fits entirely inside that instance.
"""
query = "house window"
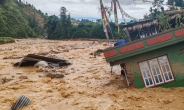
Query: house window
(156, 71)
(148, 80)
(166, 69)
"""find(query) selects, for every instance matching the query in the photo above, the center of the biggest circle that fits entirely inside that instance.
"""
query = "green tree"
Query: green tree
(63, 27)
(50, 25)
(163, 22)
(69, 27)
(179, 3)
(58, 28)
(97, 31)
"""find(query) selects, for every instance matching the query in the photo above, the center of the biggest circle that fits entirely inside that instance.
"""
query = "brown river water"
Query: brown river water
(88, 83)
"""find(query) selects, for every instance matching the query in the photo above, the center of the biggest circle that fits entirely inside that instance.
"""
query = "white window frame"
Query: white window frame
(161, 67)
(166, 69)
(146, 74)
(157, 69)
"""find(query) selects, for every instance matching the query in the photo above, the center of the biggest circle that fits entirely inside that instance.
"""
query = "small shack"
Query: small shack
(157, 60)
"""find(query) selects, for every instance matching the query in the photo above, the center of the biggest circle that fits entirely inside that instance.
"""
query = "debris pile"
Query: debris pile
(50, 66)
(36, 60)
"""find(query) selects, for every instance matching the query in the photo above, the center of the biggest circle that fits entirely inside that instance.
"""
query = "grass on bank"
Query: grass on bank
(4, 40)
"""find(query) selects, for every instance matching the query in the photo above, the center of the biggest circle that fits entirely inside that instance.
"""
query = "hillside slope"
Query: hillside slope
(15, 22)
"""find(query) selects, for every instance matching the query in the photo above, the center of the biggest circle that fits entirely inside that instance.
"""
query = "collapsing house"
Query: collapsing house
(157, 60)
(151, 58)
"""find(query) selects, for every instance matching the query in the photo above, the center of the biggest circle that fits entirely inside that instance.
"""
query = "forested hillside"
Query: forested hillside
(20, 20)
(23, 20)
(61, 28)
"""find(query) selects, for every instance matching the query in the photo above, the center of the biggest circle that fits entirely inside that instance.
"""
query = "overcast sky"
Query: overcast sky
(89, 8)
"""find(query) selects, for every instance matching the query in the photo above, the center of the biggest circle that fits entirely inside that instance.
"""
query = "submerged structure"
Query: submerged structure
(152, 57)
(157, 60)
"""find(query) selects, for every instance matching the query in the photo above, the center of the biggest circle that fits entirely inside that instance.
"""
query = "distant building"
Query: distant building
(75, 22)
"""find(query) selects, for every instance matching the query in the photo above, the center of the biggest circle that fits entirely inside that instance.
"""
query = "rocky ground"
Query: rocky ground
(87, 84)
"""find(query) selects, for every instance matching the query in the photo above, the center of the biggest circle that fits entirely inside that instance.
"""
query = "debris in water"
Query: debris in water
(21, 102)
(31, 60)
(54, 75)
(23, 77)
(50, 75)
(97, 52)
(5, 80)
(100, 51)
(58, 75)
(91, 54)
(19, 73)
(41, 64)
(54, 65)
(54, 52)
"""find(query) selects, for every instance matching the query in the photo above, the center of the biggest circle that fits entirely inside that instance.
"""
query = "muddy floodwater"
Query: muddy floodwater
(87, 84)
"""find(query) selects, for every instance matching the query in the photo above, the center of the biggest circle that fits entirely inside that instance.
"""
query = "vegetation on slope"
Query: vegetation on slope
(4, 40)
(19, 20)
(16, 22)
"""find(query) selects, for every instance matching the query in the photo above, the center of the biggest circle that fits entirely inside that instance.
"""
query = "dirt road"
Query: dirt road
(87, 85)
